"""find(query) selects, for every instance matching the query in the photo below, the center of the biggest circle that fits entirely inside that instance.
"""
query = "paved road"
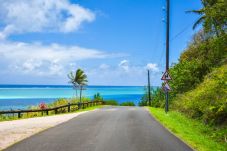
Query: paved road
(107, 129)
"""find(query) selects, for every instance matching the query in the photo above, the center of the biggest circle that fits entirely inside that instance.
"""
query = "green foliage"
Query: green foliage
(158, 98)
(208, 101)
(201, 137)
(144, 100)
(127, 104)
(110, 102)
(77, 100)
(98, 97)
(197, 61)
(79, 80)
(198, 88)
(56, 103)
(212, 16)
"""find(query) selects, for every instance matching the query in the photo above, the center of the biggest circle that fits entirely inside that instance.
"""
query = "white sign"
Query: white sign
(166, 87)
(166, 76)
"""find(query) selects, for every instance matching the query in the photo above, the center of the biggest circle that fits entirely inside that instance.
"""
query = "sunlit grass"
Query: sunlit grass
(201, 137)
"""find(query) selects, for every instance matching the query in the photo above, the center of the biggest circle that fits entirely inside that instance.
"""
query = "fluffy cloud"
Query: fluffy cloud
(124, 64)
(123, 73)
(44, 59)
(153, 67)
(23, 16)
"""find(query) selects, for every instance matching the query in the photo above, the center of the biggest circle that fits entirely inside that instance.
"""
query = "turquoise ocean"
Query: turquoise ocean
(23, 96)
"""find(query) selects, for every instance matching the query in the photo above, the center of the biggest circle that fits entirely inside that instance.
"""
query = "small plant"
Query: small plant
(42, 106)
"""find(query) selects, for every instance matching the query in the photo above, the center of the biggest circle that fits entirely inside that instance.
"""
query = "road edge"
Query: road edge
(44, 129)
(146, 108)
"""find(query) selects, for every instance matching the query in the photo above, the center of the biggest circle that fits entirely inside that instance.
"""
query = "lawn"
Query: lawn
(199, 136)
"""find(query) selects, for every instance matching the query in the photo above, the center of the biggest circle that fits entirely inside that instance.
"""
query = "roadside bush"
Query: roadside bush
(59, 102)
(98, 97)
(158, 98)
(144, 98)
(110, 102)
(127, 104)
(208, 101)
(77, 100)
(143, 102)
(196, 62)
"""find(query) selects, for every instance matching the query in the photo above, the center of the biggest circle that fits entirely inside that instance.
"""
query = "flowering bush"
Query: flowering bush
(42, 106)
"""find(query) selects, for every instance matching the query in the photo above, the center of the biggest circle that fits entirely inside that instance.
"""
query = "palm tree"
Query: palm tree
(79, 80)
(73, 81)
(207, 18)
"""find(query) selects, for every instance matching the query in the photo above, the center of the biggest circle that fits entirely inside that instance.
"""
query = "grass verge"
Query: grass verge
(199, 136)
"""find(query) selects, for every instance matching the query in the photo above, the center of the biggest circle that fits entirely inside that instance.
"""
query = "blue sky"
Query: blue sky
(114, 41)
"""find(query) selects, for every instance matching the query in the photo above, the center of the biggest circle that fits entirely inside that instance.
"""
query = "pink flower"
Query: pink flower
(42, 106)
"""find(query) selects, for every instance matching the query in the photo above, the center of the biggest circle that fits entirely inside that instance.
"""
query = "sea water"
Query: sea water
(23, 96)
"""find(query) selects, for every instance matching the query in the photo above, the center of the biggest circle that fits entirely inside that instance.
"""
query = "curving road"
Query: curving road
(107, 129)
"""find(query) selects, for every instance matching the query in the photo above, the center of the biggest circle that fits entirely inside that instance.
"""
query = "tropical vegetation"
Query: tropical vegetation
(78, 80)
(56, 103)
(199, 87)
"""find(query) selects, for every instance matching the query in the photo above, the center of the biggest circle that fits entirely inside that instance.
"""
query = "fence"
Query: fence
(55, 109)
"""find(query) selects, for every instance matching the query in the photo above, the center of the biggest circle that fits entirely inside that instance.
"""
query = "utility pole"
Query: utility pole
(149, 87)
(167, 50)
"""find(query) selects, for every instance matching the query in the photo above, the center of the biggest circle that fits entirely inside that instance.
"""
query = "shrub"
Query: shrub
(157, 98)
(110, 102)
(77, 100)
(143, 102)
(127, 104)
(208, 100)
(42, 106)
(98, 97)
(59, 102)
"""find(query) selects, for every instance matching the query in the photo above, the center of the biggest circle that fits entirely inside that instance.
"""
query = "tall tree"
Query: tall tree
(71, 76)
(79, 80)
(212, 16)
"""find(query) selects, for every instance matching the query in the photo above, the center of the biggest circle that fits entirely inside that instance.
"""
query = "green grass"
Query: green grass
(25, 116)
(201, 137)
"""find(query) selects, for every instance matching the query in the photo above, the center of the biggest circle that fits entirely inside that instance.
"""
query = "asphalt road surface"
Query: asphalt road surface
(107, 129)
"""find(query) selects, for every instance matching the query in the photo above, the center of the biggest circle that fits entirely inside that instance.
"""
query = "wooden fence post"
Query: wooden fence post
(56, 111)
(68, 107)
(47, 112)
(19, 114)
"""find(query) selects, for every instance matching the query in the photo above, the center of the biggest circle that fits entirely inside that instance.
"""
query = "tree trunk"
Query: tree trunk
(80, 92)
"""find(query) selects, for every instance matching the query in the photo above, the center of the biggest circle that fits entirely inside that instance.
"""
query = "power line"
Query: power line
(181, 32)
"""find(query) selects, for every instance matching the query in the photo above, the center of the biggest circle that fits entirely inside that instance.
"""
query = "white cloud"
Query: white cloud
(23, 16)
(124, 64)
(104, 66)
(153, 67)
(124, 73)
(44, 59)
